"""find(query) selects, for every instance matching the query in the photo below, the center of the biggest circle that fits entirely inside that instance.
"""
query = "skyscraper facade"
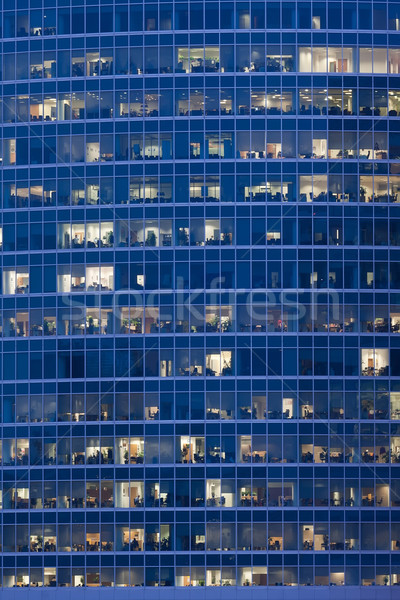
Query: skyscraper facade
(200, 321)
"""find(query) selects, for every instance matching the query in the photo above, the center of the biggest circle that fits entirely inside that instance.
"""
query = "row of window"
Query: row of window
(152, 406)
(200, 537)
(254, 448)
(312, 227)
(318, 231)
(255, 318)
(96, 148)
(195, 576)
(93, 364)
(217, 493)
(215, 232)
(211, 188)
(367, 275)
(91, 105)
(209, 59)
(317, 188)
(195, 16)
